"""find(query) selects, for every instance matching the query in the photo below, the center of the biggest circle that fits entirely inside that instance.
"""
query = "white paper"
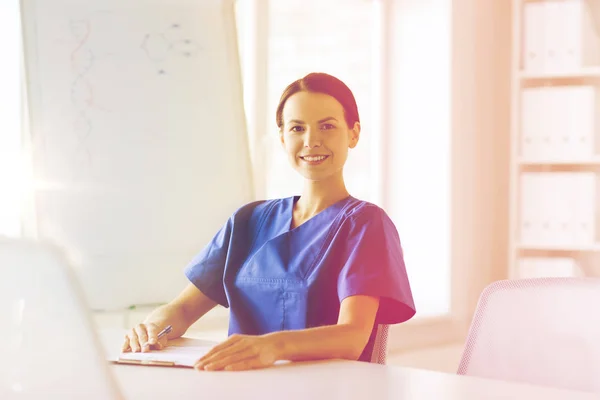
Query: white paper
(183, 352)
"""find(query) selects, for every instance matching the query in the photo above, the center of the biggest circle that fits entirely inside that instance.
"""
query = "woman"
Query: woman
(305, 277)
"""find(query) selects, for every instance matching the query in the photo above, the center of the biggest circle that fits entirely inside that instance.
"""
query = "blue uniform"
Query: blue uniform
(275, 278)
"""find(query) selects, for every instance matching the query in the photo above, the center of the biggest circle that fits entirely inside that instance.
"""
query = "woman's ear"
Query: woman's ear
(281, 137)
(354, 135)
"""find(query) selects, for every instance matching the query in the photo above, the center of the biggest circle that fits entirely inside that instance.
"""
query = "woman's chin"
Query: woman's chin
(316, 176)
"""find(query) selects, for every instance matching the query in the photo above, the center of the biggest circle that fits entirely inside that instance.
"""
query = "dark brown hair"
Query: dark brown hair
(319, 82)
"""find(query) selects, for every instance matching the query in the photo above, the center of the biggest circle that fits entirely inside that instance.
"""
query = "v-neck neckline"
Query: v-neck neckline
(294, 199)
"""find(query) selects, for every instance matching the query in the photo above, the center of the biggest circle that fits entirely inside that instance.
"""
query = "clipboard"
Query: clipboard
(182, 352)
(147, 362)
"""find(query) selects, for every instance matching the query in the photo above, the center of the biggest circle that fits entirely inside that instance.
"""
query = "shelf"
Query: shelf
(594, 161)
(587, 72)
(584, 248)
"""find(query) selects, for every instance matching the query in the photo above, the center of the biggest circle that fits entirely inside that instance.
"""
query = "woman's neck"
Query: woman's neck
(318, 195)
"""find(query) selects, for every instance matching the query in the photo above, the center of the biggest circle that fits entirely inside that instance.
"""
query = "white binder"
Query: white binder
(558, 36)
(580, 107)
(559, 209)
(579, 40)
(554, 59)
(533, 43)
(546, 267)
(533, 125)
(583, 193)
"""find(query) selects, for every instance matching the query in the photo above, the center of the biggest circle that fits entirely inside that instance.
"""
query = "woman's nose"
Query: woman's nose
(312, 138)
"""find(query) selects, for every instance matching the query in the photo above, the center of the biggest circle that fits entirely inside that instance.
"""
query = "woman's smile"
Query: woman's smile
(314, 160)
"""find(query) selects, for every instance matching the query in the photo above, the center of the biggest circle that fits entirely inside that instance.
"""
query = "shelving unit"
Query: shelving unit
(584, 72)
(590, 162)
(553, 248)
(555, 139)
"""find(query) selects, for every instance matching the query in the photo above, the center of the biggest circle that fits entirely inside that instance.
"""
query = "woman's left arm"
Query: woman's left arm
(346, 340)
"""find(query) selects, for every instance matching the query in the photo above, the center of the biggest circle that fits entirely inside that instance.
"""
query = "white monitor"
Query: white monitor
(48, 344)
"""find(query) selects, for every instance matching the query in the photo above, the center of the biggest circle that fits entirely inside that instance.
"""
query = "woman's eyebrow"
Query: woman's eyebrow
(297, 121)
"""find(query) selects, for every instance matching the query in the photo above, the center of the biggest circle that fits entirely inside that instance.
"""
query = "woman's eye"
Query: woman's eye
(296, 128)
(328, 126)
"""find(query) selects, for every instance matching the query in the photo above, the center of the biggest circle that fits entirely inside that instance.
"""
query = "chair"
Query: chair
(379, 354)
(543, 331)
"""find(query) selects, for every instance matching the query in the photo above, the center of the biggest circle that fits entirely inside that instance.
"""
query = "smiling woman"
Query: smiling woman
(306, 277)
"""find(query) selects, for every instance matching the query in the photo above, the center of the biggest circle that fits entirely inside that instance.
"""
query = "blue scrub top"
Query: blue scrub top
(274, 278)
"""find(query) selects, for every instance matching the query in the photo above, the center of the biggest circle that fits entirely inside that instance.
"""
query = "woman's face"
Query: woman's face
(315, 135)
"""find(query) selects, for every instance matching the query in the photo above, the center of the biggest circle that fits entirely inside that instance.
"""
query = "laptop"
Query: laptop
(48, 343)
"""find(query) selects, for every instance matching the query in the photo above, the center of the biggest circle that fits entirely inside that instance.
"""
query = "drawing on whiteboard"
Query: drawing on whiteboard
(82, 60)
(159, 47)
(82, 94)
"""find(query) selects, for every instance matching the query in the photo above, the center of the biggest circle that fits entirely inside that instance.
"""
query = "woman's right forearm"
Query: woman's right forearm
(182, 312)
(170, 314)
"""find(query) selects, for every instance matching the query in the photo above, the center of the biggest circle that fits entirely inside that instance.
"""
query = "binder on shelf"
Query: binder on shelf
(582, 109)
(546, 267)
(533, 43)
(584, 201)
(531, 215)
(554, 59)
(559, 36)
(555, 114)
(558, 215)
(559, 209)
(559, 123)
(580, 40)
(533, 125)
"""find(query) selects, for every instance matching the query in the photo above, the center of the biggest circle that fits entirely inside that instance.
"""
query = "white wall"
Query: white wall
(10, 119)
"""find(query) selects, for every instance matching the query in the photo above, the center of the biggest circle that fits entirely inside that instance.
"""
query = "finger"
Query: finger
(220, 347)
(222, 359)
(134, 343)
(125, 346)
(228, 351)
(162, 342)
(142, 337)
(152, 331)
(245, 366)
(253, 363)
(220, 364)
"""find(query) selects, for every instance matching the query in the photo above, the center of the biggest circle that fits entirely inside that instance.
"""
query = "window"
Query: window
(11, 178)
(335, 37)
(418, 159)
(402, 161)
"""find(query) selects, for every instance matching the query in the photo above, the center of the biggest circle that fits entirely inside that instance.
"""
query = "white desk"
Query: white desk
(324, 380)
(330, 380)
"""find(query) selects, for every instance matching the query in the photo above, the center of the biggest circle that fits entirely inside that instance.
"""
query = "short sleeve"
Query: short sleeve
(374, 265)
(206, 270)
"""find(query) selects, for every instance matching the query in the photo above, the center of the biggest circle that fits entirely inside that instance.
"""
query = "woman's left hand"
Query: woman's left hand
(241, 352)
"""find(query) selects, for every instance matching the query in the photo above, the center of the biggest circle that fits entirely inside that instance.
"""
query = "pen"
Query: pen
(165, 331)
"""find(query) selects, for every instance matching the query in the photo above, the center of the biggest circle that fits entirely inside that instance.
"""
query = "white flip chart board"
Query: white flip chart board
(138, 137)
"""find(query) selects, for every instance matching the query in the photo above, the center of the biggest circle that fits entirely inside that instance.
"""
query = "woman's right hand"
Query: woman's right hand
(144, 337)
